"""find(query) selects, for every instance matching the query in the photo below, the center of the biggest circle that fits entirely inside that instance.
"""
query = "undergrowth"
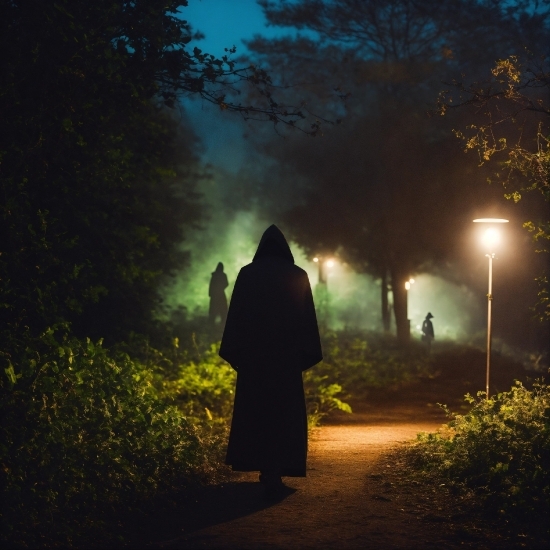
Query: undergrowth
(365, 362)
(87, 429)
(500, 449)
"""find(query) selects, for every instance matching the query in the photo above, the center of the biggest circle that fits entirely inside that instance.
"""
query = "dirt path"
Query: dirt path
(356, 494)
(337, 506)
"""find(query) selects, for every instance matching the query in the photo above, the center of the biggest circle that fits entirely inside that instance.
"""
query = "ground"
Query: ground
(358, 492)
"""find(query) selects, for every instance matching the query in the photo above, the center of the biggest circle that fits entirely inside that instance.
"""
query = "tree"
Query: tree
(96, 178)
(387, 169)
(514, 134)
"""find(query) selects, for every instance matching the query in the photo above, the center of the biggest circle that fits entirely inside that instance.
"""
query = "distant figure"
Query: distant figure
(216, 291)
(270, 337)
(428, 332)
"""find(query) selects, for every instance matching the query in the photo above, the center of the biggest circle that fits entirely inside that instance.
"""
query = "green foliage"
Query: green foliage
(203, 388)
(202, 385)
(82, 428)
(321, 397)
(85, 428)
(355, 364)
(362, 363)
(501, 449)
(96, 180)
(514, 135)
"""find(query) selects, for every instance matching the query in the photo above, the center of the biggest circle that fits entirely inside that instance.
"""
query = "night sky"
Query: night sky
(225, 23)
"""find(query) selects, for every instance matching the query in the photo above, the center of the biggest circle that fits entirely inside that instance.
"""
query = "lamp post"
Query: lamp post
(408, 285)
(490, 239)
(321, 290)
(322, 265)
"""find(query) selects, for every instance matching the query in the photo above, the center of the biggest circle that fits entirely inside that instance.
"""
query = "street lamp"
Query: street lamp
(321, 290)
(490, 239)
(323, 264)
(408, 285)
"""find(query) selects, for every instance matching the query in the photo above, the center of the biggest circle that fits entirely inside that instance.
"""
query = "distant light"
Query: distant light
(330, 263)
(490, 220)
(411, 280)
(491, 238)
(315, 259)
(408, 285)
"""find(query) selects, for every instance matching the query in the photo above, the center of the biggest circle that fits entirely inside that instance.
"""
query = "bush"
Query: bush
(82, 428)
(361, 362)
(321, 397)
(203, 388)
(501, 449)
(202, 384)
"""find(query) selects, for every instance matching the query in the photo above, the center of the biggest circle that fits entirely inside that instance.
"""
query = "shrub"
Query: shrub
(501, 448)
(202, 384)
(80, 427)
(203, 388)
(361, 362)
(321, 397)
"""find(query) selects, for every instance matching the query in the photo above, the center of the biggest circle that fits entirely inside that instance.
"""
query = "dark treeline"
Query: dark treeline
(98, 169)
(388, 186)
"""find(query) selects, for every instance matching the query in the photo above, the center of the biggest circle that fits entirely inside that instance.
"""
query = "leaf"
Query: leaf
(10, 373)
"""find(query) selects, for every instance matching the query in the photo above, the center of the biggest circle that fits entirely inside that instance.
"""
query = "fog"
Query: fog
(353, 299)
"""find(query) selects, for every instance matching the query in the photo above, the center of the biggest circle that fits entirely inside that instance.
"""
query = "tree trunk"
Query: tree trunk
(399, 291)
(386, 313)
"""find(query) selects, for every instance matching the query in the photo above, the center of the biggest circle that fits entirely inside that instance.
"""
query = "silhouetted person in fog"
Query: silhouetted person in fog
(216, 291)
(428, 332)
(270, 337)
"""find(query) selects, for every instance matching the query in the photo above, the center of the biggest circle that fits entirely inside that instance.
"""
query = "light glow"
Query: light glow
(491, 238)
(315, 259)
(330, 263)
(408, 285)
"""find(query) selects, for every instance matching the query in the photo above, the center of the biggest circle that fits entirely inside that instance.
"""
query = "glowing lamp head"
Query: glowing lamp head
(491, 239)
(330, 263)
(315, 259)
(408, 285)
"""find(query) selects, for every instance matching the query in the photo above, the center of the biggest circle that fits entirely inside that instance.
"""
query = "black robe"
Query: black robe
(270, 337)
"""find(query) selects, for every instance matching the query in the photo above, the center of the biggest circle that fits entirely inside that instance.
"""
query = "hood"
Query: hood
(273, 244)
(219, 268)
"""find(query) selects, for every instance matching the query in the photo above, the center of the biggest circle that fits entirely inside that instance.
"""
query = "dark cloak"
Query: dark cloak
(428, 327)
(216, 291)
(270, 337)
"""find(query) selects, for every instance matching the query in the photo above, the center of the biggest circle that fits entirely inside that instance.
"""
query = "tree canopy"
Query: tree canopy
(97, 178)
(387, 188)
(513, 132)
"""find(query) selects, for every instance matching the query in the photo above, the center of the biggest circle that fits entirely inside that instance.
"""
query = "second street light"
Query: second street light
(491, 240)
(322, 265)
(321, 290)
(408, 285)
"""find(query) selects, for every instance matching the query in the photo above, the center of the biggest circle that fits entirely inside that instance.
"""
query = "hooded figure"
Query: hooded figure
(216, 291)
(270, 337)
(428, 331)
